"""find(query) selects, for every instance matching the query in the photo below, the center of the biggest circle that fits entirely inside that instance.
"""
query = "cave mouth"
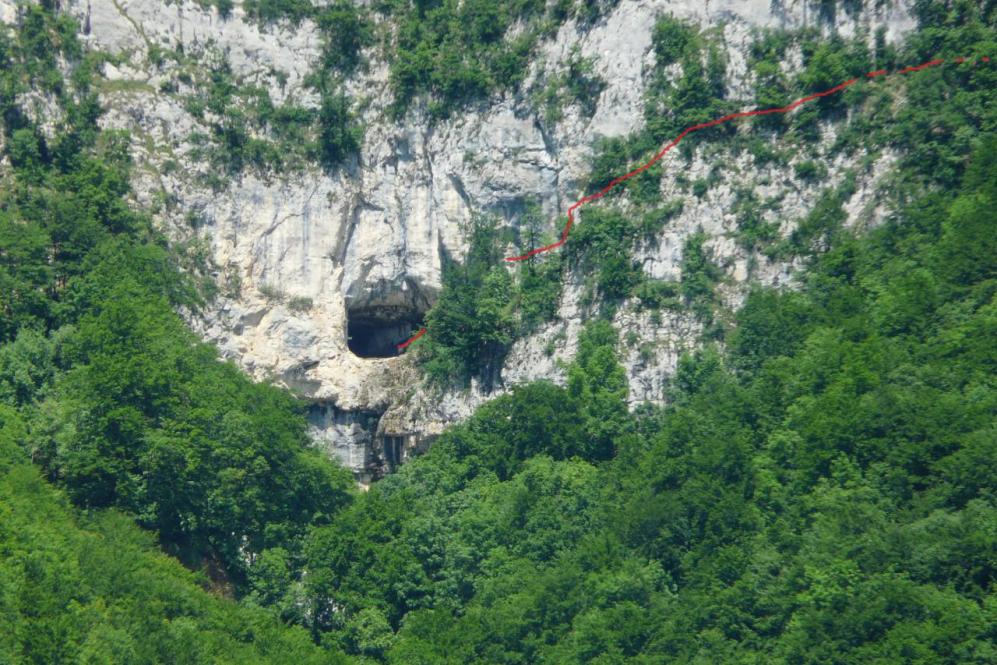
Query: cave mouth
(378, 336)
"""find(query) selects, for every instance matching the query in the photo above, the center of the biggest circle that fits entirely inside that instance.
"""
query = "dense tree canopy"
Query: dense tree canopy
(820, 493)
(108, 392)
(819, 489)
(92, 588)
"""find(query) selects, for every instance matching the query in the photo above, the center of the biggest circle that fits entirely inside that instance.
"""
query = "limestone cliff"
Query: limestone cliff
(309, 257)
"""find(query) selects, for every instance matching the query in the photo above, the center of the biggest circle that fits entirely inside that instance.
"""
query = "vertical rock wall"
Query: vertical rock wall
(299, 255)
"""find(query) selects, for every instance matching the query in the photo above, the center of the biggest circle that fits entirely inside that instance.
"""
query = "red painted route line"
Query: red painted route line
(422, 331)
(674, 142)
(743, 114)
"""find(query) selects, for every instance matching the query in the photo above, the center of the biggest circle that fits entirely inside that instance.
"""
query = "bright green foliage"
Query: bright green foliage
(95, 590)
(753, 229)
(539, 292)
(472, 322)
(149, 421)
(655, 294)
(810, 170)
(699, 275)
(672, 103)
(501, 495)
(822, 226)
(577, 84)
(110, 393)
(829, 64)
(64, 198)
(769, 323)
(696, 96)
(602, 245)
(249, 131)
(339, 135)
(598, 385)
(27, 367)
(820, 490)
(831, 501)
(672, 41)
(539, 276)
(947, 105)
(457, 53)
(268, 11)
(481, 303)
(772, 90)
(482, 308)
(345, 32)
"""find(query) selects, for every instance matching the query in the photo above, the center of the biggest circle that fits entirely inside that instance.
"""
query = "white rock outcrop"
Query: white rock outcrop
(302, 251)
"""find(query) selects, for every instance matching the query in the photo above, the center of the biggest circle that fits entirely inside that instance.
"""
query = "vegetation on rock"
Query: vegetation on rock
(818, 490)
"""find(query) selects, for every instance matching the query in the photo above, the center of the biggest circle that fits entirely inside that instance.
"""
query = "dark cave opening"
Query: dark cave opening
(393, 447)
(378, 337)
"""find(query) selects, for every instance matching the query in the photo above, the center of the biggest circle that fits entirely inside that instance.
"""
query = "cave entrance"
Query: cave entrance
(378, 336)
(393, 447)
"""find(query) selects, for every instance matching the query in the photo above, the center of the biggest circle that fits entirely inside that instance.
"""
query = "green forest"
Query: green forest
(819, 489)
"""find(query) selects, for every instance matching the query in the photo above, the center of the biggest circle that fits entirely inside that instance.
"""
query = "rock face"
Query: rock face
(328, 271)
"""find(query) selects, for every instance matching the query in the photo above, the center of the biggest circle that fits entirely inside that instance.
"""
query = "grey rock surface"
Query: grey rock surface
(370, 239)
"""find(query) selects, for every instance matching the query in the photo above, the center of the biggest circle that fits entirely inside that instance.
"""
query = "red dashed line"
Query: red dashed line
(908, 70)
(401, 347)
(674, 142)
